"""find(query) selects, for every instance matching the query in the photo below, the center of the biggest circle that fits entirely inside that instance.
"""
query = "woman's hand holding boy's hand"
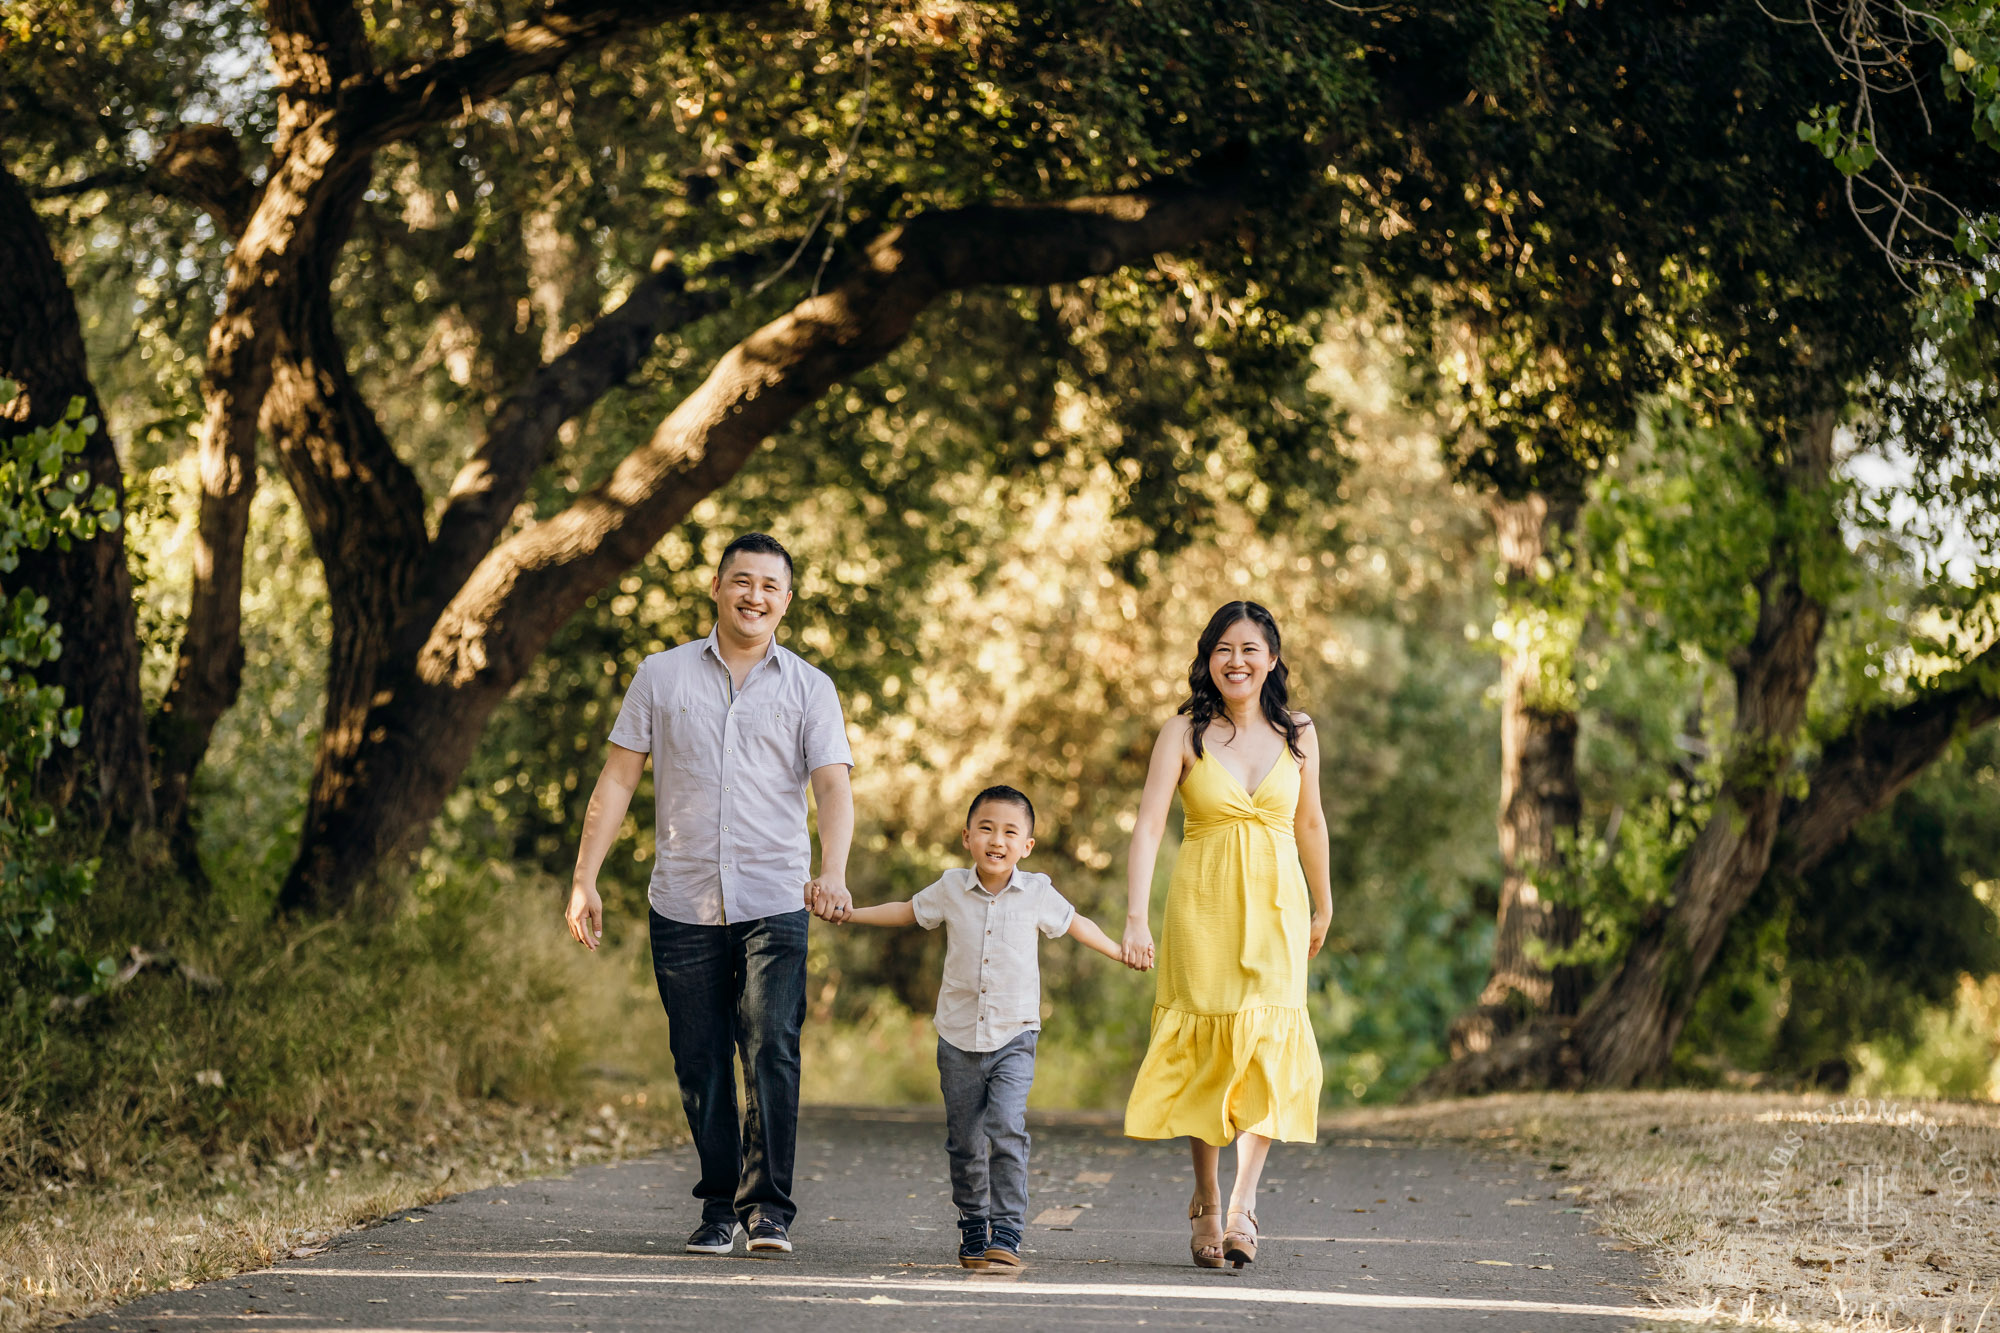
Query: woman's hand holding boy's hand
(1138, 945)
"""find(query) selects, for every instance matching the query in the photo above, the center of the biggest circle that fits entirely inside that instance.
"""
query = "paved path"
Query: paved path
(1358, 1236)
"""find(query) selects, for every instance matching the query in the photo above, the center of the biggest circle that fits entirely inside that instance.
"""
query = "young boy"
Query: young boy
(988, 1011)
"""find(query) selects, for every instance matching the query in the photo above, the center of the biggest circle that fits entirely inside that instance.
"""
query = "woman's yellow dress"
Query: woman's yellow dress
(1232, 1050)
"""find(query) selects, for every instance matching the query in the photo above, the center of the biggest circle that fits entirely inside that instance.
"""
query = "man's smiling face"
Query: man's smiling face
(751, 595)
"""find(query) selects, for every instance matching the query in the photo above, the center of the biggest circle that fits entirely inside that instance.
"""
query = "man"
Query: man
(736, 727)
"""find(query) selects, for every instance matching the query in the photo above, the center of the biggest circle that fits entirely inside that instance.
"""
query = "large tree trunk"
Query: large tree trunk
(1539, 800)
(448, 672)
(362, 504)
(89, 587)
(1628, 1031)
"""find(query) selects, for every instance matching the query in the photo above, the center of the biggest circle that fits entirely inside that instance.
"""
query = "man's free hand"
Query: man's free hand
(585, 915)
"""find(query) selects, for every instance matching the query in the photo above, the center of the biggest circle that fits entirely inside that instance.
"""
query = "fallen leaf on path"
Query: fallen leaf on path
(517, 1279)
(1495, 1263)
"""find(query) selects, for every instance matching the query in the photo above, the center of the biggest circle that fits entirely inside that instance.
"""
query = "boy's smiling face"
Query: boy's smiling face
(998, 835)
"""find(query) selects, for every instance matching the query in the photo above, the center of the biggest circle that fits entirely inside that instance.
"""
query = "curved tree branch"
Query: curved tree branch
(537, 579)
(432, 703)
(494, 479)
(397, 105)
(1879, 756)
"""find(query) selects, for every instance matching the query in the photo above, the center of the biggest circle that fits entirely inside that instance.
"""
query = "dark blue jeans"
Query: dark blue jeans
(737, 990)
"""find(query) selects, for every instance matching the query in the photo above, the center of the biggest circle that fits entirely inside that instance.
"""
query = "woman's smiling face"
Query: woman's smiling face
(1240, 661)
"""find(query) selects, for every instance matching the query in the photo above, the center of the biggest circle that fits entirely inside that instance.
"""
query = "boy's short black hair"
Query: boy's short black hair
(1007, 796)
(754, 543)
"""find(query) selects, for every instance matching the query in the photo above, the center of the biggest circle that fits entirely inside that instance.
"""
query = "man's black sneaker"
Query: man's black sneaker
(713, 1238)
(768, 1234)
(972, 1242)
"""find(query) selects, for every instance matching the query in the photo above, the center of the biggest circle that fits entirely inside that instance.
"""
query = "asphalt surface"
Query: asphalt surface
(1357, 1235)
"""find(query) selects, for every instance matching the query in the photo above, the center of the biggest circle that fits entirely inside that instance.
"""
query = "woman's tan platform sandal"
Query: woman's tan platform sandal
(1239, 1244)
(1206, 1243)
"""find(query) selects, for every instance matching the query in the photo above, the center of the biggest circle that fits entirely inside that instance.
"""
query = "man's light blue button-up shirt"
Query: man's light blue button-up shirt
(730, 772)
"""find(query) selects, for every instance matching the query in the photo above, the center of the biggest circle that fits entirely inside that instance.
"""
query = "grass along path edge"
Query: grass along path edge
(1780, 1211)
(69, 1252)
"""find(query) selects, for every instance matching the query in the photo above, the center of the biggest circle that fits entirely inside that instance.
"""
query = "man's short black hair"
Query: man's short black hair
(755, 543)
(1007, 796)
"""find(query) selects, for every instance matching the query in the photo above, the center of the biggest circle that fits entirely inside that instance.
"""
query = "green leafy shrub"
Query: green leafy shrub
(45, 500)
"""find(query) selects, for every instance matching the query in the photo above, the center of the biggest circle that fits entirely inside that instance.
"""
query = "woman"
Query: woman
(1232, 1054)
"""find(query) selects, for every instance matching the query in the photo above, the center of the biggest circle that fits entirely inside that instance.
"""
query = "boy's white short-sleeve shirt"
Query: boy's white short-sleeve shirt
(992, 988)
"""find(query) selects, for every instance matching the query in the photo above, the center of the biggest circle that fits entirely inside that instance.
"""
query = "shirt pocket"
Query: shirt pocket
(1013, 924)
(693, 728)
(769, 733)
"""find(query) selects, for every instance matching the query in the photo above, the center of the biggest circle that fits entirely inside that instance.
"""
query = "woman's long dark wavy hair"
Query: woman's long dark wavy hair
(1204, 701)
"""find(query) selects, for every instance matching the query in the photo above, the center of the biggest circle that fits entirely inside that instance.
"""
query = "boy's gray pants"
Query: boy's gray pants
(986, 1128)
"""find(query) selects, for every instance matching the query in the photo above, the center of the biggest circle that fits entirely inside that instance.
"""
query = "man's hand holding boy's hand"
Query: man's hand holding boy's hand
(829, 899)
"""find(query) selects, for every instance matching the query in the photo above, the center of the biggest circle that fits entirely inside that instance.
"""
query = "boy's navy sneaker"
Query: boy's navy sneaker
(713, 1238)
(768, 1234)
(1004, 1251)
(972, 1242)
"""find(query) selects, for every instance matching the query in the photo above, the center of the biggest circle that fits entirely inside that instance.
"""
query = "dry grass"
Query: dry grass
(73, 1251)
(1767, 1211)
(169, 1135)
